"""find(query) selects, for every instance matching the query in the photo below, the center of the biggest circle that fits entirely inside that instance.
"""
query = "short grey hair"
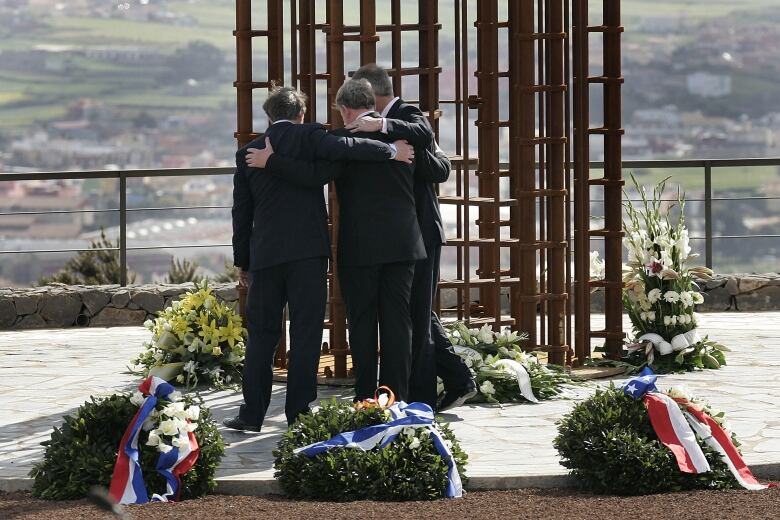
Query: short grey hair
(356, 94)
(377, 76)
(284, 103)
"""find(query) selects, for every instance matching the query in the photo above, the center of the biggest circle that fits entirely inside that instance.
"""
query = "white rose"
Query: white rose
(667, 320)
(409, 432)
(154, 438)
(137, 398)
(192, 412)
(169, 427)
(190, 426)
(149, 324)
(671, 296)
(679, 392)
(415, 443)
(164, 448)
(485, 334)
(487, 388)
(174, 410)
(181, 442)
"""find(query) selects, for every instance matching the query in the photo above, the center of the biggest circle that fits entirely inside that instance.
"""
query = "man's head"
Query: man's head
(354, 98)
(285, 103)
(377, 76)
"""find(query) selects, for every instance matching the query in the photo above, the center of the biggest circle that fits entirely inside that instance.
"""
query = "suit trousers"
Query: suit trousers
(432, 352)
(302, 285)
(378, 295)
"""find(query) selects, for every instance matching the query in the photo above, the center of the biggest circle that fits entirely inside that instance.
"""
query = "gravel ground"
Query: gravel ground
(525, 503)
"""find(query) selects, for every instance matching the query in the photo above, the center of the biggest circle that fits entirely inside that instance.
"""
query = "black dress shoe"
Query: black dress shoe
(236, 423)
(455, 398)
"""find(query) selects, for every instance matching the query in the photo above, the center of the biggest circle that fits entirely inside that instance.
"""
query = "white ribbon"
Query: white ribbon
(679, 342)
(523, 379)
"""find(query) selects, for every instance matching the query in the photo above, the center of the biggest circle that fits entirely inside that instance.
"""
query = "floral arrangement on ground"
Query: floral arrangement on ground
(610, 446)
(82, 452)
(198, 340)
(661, 293)
(409, 468)
(503, 371)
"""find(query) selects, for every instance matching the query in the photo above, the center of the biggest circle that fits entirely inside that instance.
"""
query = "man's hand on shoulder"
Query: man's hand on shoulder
(404, 152)
(366, 124)
(258, 157)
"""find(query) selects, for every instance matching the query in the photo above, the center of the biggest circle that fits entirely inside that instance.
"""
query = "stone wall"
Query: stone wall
(730, 292)
(58, 305)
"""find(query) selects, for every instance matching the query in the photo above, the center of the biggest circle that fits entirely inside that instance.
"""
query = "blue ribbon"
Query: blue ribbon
(638, 386)
(414, 415)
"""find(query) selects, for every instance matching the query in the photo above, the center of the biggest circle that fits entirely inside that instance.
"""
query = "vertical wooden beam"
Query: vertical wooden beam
(368, 31)
(338, 338)
(556, 226)
(487, 172)
(243, 84)
(581, 160)
(613, 175)
(522, 152)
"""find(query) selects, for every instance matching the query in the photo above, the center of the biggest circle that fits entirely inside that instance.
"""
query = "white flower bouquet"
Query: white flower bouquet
(503, 371)
(170, 423)
(196, 341)
(660, 292)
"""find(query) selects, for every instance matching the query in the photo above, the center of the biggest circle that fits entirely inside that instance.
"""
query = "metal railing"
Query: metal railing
(709, 167)
(123, 210)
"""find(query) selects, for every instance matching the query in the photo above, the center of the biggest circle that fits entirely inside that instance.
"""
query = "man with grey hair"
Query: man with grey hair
(281, 242)
(432, 352)
(378, 244)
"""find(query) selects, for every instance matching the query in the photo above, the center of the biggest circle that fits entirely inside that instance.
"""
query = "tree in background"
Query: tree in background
(98, 265)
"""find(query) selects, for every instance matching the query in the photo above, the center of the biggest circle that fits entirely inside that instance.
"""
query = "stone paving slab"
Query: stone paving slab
(46, 374)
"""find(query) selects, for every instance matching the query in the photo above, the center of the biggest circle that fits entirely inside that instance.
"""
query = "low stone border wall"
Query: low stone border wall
(730, 292)
(58, 306)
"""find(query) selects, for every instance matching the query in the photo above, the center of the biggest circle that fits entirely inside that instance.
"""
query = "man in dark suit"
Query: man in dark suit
(281, 242)
(432, 352)
(379, 242)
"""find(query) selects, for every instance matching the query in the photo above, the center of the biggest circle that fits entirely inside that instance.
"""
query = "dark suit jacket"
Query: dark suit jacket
(406, 121)
(377, 221)
(275, 221)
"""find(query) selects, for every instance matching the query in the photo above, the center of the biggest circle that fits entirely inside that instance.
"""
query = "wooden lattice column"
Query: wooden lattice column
(612, 182)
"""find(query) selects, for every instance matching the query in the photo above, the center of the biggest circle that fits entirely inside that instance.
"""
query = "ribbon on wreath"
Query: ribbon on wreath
(677, 430)
(414, 415)
(383, 398)
(127, 482)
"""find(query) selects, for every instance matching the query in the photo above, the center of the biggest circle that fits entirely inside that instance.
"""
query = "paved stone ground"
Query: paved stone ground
(46, 374)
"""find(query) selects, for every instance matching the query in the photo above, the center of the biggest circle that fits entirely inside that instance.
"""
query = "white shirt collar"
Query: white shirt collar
(389, 106)
(281, 121)
(365, 114)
